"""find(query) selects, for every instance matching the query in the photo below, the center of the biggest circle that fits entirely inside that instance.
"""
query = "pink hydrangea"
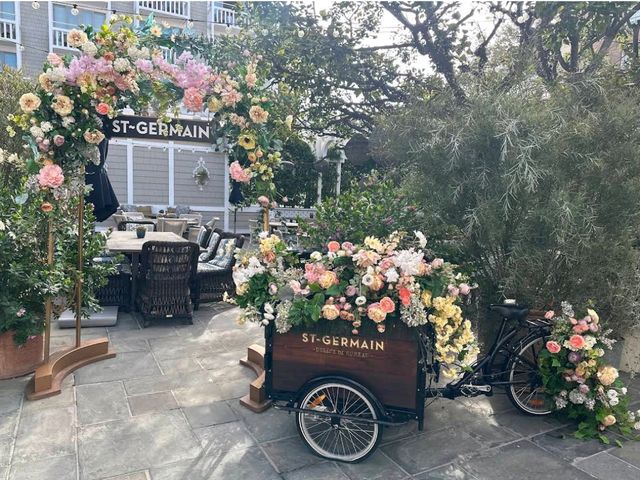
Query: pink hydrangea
(50, 176)
(144, 65)
(192, 99)
(238, 173)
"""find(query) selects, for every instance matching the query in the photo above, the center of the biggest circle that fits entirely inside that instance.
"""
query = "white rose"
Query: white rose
(361, 301)
(614, 401)
(46, 127)
(624, 390)
(636, 426)
(316, 256)
(2, 226)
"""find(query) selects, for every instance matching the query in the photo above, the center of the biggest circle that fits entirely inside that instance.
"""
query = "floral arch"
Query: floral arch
(120, 67)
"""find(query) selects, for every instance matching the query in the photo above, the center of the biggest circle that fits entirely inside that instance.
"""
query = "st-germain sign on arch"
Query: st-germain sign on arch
(149, 128)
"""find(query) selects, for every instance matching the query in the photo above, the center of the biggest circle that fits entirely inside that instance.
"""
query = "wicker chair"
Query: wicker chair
(214, 277)
(131, 225)
(173, 225)
(117, 291)
(167, 274)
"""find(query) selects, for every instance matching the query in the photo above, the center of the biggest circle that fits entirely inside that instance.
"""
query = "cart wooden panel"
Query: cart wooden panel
(386, 364)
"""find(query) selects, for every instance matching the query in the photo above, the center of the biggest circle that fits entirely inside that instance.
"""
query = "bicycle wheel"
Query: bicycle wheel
(335, 438)
(525, 389)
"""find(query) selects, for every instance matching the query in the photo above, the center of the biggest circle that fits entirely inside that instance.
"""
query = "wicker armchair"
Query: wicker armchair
(117, 291)
(132, 225)
(167, 273)
(214, 277)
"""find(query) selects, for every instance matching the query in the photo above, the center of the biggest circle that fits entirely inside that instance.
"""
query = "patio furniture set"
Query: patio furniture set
(165, 275)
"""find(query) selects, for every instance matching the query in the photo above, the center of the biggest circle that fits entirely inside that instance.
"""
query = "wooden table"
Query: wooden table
(129, 243)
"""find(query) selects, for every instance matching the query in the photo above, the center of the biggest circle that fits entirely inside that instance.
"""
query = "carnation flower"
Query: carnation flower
(230, 97)
(408, 261)
(29, 102)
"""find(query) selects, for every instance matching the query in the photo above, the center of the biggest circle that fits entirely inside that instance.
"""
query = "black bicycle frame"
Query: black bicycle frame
(485, 364)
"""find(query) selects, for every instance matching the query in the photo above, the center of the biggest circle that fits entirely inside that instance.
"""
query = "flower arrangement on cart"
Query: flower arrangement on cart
(407, 309)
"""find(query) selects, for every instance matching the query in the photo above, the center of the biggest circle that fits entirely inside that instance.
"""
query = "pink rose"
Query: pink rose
(573, 321)
(347, 246)
(437, 263)
(580, 328)
(58, 140)
(351, 291)
(453, 290)
(549, 314)
(50, 176)
(553, 347)
(238, 173)
(577, 342)
(465, 289)
(387, 304)
(593, 327)
(263, 201)
(54, 59)
(102, 108)
(21, 312)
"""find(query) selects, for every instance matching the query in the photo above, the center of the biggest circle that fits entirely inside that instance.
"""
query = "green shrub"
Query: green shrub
(540, 184)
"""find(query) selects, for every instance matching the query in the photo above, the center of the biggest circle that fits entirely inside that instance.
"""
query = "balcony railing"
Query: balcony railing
(225, 16)
(175, 9)
(60, 37)
(8, 30)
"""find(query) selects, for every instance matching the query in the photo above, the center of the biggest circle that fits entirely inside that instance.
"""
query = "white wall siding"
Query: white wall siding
(150, 176)
(116, 166)
(186, 190)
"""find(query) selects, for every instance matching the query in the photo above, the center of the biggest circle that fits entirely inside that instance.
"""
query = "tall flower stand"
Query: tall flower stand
(47, 380)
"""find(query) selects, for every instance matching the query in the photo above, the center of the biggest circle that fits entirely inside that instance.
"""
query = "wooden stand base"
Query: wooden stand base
(256, 401)
(48, 378)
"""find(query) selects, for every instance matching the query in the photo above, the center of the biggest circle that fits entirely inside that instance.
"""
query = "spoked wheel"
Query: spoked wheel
(525, 389)
(348, 437)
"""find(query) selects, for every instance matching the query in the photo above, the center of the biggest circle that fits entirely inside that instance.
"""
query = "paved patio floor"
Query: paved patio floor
(166, 408)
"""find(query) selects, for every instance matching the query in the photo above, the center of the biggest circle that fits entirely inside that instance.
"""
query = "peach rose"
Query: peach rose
(50, 176)
(328, 279)
(387, 304)
(333, 246)
(46, 207)
(607, 375)
(102, 108)
(258, 114)
(376, 313)
(330, 312)
(577, 342)
(376, 283)
(608, 420)
(553, 347)
(93, 136)
(62, 105)
(29, 102)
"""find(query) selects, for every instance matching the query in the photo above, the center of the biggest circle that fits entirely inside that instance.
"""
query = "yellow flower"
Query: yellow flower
(426, 298)
(247, 141)
(288, 121)
(214, 105)
(29, 102)
(374, 244)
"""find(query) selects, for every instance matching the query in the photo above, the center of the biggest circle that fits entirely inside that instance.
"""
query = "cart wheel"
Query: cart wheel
(337, 438)
(525, 389)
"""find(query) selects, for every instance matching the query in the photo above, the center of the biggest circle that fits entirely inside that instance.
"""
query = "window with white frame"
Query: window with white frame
(172, 8)
(8, 27)
(9, 58)
(64, 20)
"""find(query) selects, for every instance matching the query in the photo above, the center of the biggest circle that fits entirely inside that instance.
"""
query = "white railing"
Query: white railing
(8, 30)
(225, 16)
(59, 37)
(175, 9)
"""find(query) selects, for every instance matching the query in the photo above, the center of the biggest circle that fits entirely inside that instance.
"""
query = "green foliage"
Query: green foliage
(298, 182)
(12, 86)
(537, 187)
(374, 207)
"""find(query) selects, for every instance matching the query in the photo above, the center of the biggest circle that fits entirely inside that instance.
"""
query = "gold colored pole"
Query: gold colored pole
(79, 279)
(48, 306)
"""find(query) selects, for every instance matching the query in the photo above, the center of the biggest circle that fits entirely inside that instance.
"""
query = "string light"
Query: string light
(74, 10)
(35, 5)
(300, 33)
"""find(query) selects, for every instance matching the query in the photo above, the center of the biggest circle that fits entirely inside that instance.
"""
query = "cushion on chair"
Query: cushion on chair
(181, 209)
(207, 267)
(211, 246)
(145, 210)
(224, 254)
(203, 236)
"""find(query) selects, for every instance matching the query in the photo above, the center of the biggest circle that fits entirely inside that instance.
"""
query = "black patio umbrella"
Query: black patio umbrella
(235, 198)
(104, 200)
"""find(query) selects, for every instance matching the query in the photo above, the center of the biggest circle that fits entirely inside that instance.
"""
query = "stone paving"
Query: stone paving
(166, 408)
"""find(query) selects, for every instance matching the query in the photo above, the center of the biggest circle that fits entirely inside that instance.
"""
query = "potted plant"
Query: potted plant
(141, 231)
(201, 174)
